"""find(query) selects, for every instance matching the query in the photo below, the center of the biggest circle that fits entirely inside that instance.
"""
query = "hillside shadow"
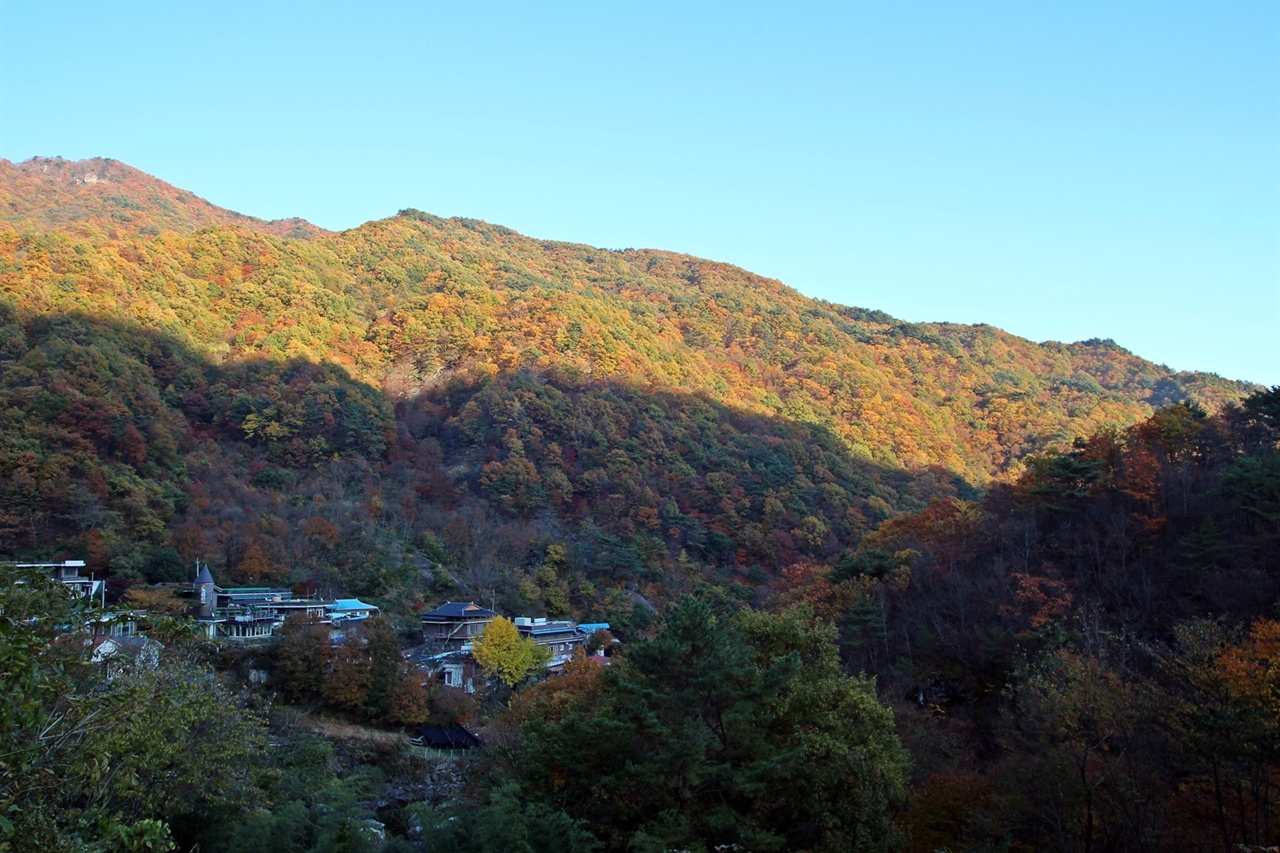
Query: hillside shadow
(105, 421)
(121, 442)
(646, 470)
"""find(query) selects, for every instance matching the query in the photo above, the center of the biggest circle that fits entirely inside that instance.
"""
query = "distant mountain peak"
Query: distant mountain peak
(101, 194)
(95, 170)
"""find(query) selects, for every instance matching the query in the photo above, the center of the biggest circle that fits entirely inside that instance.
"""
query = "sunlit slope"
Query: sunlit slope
(103, 195)
(410, 301)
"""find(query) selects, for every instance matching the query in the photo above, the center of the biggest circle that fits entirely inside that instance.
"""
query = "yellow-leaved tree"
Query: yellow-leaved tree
(504, 654)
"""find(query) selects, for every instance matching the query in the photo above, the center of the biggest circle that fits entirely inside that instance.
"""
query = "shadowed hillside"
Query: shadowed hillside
(126, 448)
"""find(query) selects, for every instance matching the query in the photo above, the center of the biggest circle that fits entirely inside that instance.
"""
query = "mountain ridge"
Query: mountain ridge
(436, 398)
(404, 301)
(93, 173)
(107, 192)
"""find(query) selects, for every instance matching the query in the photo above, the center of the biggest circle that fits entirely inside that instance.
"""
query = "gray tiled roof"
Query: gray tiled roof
(460, 610)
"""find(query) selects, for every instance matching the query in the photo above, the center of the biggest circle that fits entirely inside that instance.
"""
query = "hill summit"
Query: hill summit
(50, 193)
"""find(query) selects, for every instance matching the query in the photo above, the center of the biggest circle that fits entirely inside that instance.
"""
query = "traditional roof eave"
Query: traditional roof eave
(460, 610)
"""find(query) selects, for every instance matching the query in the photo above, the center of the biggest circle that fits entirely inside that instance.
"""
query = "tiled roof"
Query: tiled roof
(460, 610)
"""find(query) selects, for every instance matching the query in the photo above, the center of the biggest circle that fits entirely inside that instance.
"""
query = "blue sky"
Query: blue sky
(1062, 171)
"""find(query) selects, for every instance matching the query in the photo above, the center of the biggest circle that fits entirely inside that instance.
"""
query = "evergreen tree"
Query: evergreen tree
(723, 731)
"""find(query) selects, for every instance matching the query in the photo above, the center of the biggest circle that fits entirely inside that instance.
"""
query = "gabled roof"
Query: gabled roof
(460, 610)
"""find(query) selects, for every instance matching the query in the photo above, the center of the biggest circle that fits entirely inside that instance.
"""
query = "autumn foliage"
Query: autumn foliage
(1059, 559)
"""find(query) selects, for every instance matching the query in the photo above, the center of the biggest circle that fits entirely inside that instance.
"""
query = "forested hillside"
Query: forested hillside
(449, 393)
(1056, 563)
(104, 195)
(1089, 657)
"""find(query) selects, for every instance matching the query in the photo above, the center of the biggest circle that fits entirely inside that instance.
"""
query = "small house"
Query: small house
(350, 610)
(68, 574)
(117, 654)
(562, 638)
(446, 737)
(453, 625)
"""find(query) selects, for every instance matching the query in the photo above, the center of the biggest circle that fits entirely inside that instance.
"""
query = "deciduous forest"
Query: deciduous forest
(879, 585)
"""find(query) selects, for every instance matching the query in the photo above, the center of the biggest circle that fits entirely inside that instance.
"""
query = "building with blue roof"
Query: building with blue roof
(562, 638)
(351, 610)
(256, 613)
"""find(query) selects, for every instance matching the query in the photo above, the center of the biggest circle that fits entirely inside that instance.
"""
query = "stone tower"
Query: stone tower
(206, 592)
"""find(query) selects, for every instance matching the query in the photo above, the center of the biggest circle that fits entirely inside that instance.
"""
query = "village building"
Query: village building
(248, 614)
(100, 623)
(351, 610)
(453, 625)
(457, 669)
(561, 638)
(68, 574)
(450, 630)
(116, 623)
(120, 653)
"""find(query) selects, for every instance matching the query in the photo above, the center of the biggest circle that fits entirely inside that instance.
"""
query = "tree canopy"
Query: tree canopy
(507, 656)
(91, 757)
(703, 736)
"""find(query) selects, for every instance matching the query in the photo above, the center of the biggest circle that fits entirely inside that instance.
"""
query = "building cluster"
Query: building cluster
(110, 635)
(238, 614)
(249, 614)
(449, 631)
(246, 614)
